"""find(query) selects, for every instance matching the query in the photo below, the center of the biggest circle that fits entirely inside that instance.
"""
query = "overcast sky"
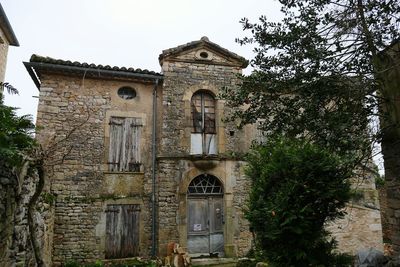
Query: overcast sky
(128, 33)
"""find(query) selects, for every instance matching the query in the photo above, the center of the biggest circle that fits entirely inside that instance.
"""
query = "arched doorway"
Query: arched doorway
(205, 216)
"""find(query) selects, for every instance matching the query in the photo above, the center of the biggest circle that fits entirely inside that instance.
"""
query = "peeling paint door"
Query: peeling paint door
(122, 231)
(205, 225)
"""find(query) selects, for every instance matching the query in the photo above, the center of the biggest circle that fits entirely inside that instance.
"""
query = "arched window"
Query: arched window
(204, 127)
(203, 112)
(205, 184)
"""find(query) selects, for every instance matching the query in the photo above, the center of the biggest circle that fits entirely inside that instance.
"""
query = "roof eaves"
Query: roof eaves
(6, 27)
(39, 64)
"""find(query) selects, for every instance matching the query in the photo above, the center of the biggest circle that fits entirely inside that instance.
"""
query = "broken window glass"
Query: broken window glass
(203, 139)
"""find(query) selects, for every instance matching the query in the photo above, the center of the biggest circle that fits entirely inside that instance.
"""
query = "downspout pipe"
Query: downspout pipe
(153, 175)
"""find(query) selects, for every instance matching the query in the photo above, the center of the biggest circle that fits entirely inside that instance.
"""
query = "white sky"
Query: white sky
(128, 33)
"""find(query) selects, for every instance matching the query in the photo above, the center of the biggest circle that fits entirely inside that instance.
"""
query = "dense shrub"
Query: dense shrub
(296, 188)
(16, 134)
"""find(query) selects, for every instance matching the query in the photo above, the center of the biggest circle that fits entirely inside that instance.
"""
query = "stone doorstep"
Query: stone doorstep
(225, 262)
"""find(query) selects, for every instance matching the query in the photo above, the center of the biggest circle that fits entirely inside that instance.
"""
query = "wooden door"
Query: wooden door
(122, 231)
(205, 225)
(216, 225)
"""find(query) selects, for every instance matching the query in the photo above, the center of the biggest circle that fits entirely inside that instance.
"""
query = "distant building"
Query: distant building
(140, 159)
(7, 38)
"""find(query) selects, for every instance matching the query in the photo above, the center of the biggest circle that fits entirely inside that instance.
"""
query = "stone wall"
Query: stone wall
(174, 178)
(73, 117)
(243, 237)
(181, 81)
(8, 206)
(182, 78)
(3, 54)
(15, 195)
(361, 228)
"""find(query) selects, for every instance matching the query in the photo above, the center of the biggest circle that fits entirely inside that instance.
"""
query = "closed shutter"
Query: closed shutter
(124, 151)
(122, 231)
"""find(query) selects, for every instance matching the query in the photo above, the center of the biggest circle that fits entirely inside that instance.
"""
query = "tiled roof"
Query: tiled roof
(39, 65)
(49, 60)
(206, 41)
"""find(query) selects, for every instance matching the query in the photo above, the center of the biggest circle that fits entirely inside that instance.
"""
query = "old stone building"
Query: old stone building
(138, 159)
(7, 38)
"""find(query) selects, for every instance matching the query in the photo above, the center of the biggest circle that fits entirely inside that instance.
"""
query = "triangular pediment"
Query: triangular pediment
(203, 51)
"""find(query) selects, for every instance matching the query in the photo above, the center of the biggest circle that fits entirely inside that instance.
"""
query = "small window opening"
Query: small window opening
(231, 133)
(127, 92)
(204, 55)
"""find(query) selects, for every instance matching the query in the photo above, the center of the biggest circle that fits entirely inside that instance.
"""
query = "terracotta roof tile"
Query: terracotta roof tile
(49, 60)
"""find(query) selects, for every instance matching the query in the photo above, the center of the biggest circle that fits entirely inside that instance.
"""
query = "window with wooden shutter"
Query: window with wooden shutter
(122, 231)
(203, 138)
(124, 151)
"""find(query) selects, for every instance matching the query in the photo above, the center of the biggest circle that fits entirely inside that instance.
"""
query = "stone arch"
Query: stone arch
(209, 87)
(204, 86)
(187, 177)
(205, 215)
(205, 184)
(191, 173)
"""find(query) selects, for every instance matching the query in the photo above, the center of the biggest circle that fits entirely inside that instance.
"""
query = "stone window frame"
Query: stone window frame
(219, 107)
(204, 121)
(123, 91)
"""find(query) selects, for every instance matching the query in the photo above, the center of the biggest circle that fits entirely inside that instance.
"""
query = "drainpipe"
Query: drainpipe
(153, 175)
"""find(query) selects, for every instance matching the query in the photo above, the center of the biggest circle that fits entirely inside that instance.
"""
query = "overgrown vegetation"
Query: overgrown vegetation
(16, 133)
(324, 74)
(19, 156)
(297, 187)
(319, 73)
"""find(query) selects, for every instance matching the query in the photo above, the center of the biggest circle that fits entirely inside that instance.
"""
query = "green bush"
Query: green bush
(296, 188)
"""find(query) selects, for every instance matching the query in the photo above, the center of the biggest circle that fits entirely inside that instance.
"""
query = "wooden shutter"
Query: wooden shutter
(116, 135)
(124, 152)
(122, 231)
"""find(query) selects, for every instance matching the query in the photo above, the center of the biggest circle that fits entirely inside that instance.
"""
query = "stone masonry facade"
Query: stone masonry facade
(82, 111)
(7, 38)
(3, 55)
(73, 116)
